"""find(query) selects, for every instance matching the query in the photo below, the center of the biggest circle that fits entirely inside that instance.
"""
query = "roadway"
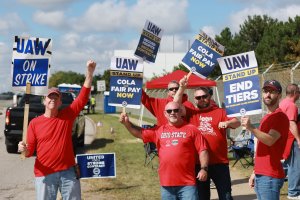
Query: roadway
(17, 178)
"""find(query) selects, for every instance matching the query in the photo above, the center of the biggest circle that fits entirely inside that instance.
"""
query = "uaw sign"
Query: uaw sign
(31, 64)
(149, 42)
(241, 84)
(126, 81)
(202, 56)
(97, 165)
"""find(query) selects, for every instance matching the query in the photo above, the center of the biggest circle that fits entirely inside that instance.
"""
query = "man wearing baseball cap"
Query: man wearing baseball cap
(268, 175)
(50, 135)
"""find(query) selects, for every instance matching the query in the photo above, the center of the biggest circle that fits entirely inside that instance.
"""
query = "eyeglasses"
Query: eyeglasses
(173, 88)
(270, 91)
(201, 97)
(169, 111)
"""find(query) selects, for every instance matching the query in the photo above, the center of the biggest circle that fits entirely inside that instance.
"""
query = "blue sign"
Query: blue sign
(241, 84)
(125, 91)
(34, 71)
(202, 56)
(97, 165)
(149, 42)
(242, 96)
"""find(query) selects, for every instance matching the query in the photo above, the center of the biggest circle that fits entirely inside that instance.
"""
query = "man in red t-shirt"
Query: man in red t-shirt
(177, 143)
(157, 105)
(268, 175)
(50, 135)
(212, 122)
(292, 152)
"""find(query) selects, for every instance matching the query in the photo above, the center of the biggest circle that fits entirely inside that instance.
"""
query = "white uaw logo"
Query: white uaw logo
(124, 103)
(96, 171)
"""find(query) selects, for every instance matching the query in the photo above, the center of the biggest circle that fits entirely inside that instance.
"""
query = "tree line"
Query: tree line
(272, 40)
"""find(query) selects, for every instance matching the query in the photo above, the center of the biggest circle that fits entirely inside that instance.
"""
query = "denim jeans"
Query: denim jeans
(293, 170)
(267, 187)
(220, 174)
(179, 192)
(47, 186)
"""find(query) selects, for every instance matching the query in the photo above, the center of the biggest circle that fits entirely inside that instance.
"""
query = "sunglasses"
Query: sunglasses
(169, 111)
(201, 97)
(270, 91)
(173, 88)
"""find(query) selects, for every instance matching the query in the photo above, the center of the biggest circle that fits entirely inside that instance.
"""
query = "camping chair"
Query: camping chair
(243, 149)
(150, 153)
(150, 150)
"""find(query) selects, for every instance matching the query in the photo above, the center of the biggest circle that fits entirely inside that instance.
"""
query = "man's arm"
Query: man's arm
(91, 65)
(232, 123)
(133, 129)
(180, 91)
(203, 157)
(295, 132)
(267, 138)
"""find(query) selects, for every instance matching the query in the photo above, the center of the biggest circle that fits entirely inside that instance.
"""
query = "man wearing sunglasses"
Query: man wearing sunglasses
(212, 122)
(292, 148)
(268, 175)
(176, 143)
(157, 105)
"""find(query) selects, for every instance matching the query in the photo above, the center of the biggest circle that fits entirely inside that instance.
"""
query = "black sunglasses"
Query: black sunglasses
(173, 88)
(201, 97)
(169, 111)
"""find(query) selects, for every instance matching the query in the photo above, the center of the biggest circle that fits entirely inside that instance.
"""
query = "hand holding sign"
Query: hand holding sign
(246, 123)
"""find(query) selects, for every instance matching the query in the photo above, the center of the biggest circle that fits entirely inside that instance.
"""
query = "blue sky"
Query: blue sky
(84, 29)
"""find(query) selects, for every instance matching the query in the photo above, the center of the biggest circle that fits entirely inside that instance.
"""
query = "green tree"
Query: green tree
(66, 77)
(106, 77)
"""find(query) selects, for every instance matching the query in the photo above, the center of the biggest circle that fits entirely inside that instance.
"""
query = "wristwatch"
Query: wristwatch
(204, 168)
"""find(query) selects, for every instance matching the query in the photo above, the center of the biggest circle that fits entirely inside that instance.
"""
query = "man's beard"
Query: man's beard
(270, 102)
(203, 105)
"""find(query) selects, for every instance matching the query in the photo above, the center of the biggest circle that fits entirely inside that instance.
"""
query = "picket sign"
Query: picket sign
(26, 114)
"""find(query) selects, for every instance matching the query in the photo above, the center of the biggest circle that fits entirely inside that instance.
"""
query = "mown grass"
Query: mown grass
(134, 181)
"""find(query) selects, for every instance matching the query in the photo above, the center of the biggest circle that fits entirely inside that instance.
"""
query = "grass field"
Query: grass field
(134, 181)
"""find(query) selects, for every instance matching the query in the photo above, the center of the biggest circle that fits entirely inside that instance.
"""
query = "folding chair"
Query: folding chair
(150, 153)
(150, 150)
(243, 149)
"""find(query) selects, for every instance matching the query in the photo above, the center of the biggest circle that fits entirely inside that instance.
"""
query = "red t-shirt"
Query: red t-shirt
(207, 122)
(176, 147)
(52, 138)
(290, 109)
(267, 159)
(157, 106)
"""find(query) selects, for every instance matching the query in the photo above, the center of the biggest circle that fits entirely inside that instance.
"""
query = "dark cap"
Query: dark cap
(275, 85)
(54, 90)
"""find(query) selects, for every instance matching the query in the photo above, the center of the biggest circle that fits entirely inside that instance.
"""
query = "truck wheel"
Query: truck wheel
(11, 147)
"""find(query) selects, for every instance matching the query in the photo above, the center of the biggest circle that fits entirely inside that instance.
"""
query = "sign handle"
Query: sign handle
(189, 74)
(26, 114)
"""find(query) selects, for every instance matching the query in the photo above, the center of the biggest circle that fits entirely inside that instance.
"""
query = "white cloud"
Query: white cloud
(170, 15)
(73, 50)
(11, 22)
(46, 4)
(116, 16)
(54, 18)
(209, 30)
(108, 16)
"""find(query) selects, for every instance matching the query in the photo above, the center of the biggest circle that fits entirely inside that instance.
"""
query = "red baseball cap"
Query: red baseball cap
(53, 90)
